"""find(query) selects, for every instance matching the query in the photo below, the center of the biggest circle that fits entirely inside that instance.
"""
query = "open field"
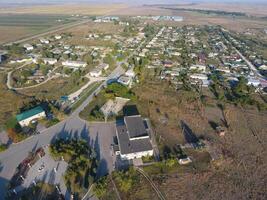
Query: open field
(8, 108)
(16, 26)
(83, 9)
(250, 9)
(240, 24)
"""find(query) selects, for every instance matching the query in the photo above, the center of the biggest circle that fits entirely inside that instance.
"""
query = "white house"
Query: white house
(200, 68)
(253, 82)
(96, 72)
(25, 118)
(125, 80)
(199, 76)
(58, 37)
(130, 73)
(133, 139)
(104, 66)
(74, 64)
(28, 47)
(50, 61)
(44, 41)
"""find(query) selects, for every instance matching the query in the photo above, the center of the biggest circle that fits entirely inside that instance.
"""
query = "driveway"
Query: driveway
(101, 136)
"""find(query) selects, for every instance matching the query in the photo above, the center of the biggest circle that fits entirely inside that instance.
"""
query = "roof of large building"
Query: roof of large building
(131, 146)
(135, 126)
(29, 113)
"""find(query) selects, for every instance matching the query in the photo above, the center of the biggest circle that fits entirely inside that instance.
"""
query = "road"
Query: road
(251, 66)
(71, 127)
(50, 31)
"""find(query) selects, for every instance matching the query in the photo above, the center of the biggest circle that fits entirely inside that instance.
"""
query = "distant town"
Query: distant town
(116, 103)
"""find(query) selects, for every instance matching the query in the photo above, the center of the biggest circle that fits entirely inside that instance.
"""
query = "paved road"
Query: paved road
(73, 126)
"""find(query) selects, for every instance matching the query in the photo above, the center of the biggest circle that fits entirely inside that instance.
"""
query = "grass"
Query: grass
(16, 26)
(86, 93)
(56, 88)
(98, 102)
(84, 9)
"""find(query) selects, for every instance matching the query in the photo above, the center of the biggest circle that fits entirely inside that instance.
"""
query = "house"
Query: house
(133, 138)
(104, 66)
(125, 80)
(28, 47)
(96, 72)
(130, 73)
(44, 41)
(2, 54)
(199, 68)
(254, 82)
(74, 64)
(58, 37)
(26, 117)
(50, 61)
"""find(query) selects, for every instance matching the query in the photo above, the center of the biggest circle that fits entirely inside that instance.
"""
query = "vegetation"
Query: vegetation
(126, 179)
(82, 163)
(41, 191)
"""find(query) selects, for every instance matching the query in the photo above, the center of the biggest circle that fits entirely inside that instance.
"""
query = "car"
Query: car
(41, 168)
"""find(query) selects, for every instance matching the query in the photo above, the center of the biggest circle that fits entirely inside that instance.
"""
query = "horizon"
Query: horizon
(137, 2)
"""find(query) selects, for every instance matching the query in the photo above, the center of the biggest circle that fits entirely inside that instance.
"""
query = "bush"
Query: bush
(127, 179)
(101, 187)
(3, 147)
(15, 136)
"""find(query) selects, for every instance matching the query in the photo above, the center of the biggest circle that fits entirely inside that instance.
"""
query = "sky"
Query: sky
(21, 2)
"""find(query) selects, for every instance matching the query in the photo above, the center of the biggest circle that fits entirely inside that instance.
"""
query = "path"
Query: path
(141, 171)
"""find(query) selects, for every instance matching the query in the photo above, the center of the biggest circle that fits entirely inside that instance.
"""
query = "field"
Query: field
(82, 9)
(17, 26)
(9, 108)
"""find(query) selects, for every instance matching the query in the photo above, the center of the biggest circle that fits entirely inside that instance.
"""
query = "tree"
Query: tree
(88, 59)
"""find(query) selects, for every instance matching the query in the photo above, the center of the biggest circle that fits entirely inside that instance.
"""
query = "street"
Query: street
(71, 127)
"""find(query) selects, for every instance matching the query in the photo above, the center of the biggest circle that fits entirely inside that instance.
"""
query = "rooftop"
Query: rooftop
(131, 146)
(135, 126)
(29, 113)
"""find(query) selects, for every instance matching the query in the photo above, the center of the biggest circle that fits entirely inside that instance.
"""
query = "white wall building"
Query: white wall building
(133, 139)
(74, 64)
(50, 61)
(96, 72)
(25, 118)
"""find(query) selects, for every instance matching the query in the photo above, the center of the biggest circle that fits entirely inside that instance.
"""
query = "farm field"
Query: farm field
(17, 26)
(83, 9)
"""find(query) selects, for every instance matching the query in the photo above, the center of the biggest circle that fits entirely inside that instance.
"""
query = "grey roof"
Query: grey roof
(131, 146)
(135, 126)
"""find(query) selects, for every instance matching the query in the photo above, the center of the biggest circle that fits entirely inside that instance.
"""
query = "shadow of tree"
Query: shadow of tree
(189, 135)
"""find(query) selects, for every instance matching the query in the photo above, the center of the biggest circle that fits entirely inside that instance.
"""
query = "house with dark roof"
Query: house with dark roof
(25, 118)
(133, 138)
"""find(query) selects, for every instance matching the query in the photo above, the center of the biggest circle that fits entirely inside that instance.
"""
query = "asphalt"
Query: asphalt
(72, 127)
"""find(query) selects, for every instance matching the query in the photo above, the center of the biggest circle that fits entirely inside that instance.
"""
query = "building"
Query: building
(2, 55)
(44, 41)
(133, 138)
(96, 72)
(58, 37)
(130, 73)
(74, 64)
(199, 68)
(50, 61)
(28, 47)
(125, 80)
(104, 66)
(26, 117)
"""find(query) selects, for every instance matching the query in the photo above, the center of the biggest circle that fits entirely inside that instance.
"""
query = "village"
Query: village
(102, 84)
